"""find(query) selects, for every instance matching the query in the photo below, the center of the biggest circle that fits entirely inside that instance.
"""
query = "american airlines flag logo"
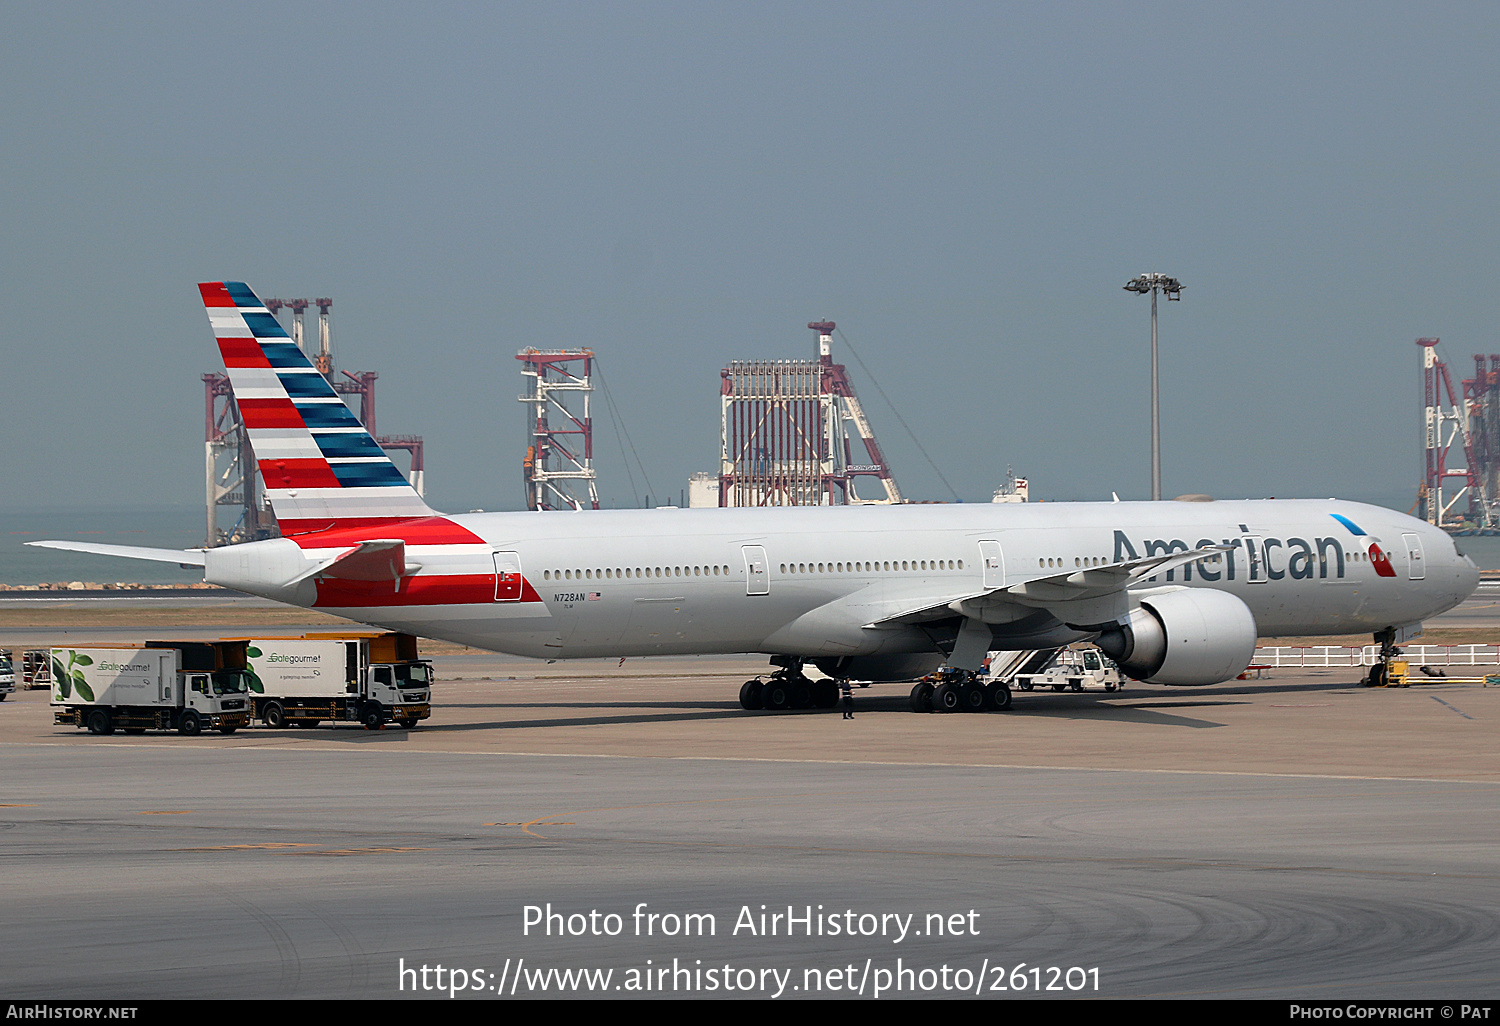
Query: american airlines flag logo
(594, 595)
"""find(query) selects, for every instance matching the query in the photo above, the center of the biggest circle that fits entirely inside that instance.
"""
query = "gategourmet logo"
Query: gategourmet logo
(280, 657)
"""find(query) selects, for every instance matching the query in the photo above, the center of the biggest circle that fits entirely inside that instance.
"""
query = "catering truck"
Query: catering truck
(373, 679)
(7, 674)
(187, 686)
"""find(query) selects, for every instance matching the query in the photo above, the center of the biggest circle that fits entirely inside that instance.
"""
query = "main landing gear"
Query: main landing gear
(959, 691)
(788, 688)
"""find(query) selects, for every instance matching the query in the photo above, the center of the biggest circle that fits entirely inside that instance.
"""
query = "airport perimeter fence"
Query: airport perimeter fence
(1322, 656)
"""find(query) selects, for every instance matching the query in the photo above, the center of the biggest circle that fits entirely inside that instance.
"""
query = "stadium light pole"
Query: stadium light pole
(1154, 283)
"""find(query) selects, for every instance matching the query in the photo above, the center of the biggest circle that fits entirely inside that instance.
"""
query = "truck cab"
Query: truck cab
(404, 688)
(212, 695)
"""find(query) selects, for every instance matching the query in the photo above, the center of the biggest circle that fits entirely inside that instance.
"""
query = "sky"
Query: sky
(964, 188)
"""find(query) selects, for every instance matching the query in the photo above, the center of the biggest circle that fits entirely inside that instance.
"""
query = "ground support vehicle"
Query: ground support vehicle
(7, 674)
(36, 669)
(184, 686)
(373, 679)
(1075, 669)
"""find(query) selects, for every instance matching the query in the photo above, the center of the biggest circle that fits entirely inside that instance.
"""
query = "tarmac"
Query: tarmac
(1297, 838)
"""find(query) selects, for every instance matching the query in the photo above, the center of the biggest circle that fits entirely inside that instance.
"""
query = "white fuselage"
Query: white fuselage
(813, 581)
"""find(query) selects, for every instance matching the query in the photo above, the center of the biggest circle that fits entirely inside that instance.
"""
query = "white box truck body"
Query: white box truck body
(373, 679)
(191, 687)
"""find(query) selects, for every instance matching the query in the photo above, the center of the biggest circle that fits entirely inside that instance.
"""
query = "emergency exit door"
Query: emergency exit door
(507, 577)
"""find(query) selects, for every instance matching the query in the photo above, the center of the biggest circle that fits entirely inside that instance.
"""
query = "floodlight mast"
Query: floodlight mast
(1154, 283)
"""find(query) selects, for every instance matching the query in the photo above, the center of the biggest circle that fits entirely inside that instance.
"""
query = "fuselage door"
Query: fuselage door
(507, 577)
(757, 573)
(1416, 566)
(1256, 550)
(993, 561)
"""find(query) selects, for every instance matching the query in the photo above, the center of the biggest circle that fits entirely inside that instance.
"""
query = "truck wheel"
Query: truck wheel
(228, 730)
(274, 715)
(1076, 684)
(373, 718)
(1059, 687)
(134, 730)
(409, 723)
(190, 725)
(98, 722)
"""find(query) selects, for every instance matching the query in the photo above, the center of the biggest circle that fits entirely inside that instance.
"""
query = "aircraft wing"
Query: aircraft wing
(182, 557)
(1079, 596)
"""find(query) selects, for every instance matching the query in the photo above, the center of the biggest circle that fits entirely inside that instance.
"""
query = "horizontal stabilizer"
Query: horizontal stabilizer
(182, 557)
(379, 560)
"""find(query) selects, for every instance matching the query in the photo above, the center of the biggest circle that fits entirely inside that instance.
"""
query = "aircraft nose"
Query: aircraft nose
(1468, 576)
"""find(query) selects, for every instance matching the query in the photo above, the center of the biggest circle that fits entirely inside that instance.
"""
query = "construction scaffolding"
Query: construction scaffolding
(559, 464)
(1460, 499)
(787, 430)
(237, 510)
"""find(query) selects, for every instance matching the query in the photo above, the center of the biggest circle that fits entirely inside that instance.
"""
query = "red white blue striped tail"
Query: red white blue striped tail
(320, 466)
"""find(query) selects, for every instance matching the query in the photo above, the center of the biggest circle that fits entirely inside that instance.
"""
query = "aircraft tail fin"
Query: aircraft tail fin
(320, 466)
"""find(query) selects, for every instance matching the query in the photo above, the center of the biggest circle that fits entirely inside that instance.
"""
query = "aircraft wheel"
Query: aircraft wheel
(997, 694)
(802, 694)
(751, 695)
(1376, 678)
(971, 697)
(825, 694)
(191, 724)
(98, 722)
(945, 698)
(776, 695)
(274, 715)
(921, 697)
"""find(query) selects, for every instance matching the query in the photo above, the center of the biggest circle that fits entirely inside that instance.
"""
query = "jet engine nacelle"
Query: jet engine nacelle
(1192, 636)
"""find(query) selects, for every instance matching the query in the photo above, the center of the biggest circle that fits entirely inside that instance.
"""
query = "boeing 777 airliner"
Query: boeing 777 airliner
(1176, 592)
